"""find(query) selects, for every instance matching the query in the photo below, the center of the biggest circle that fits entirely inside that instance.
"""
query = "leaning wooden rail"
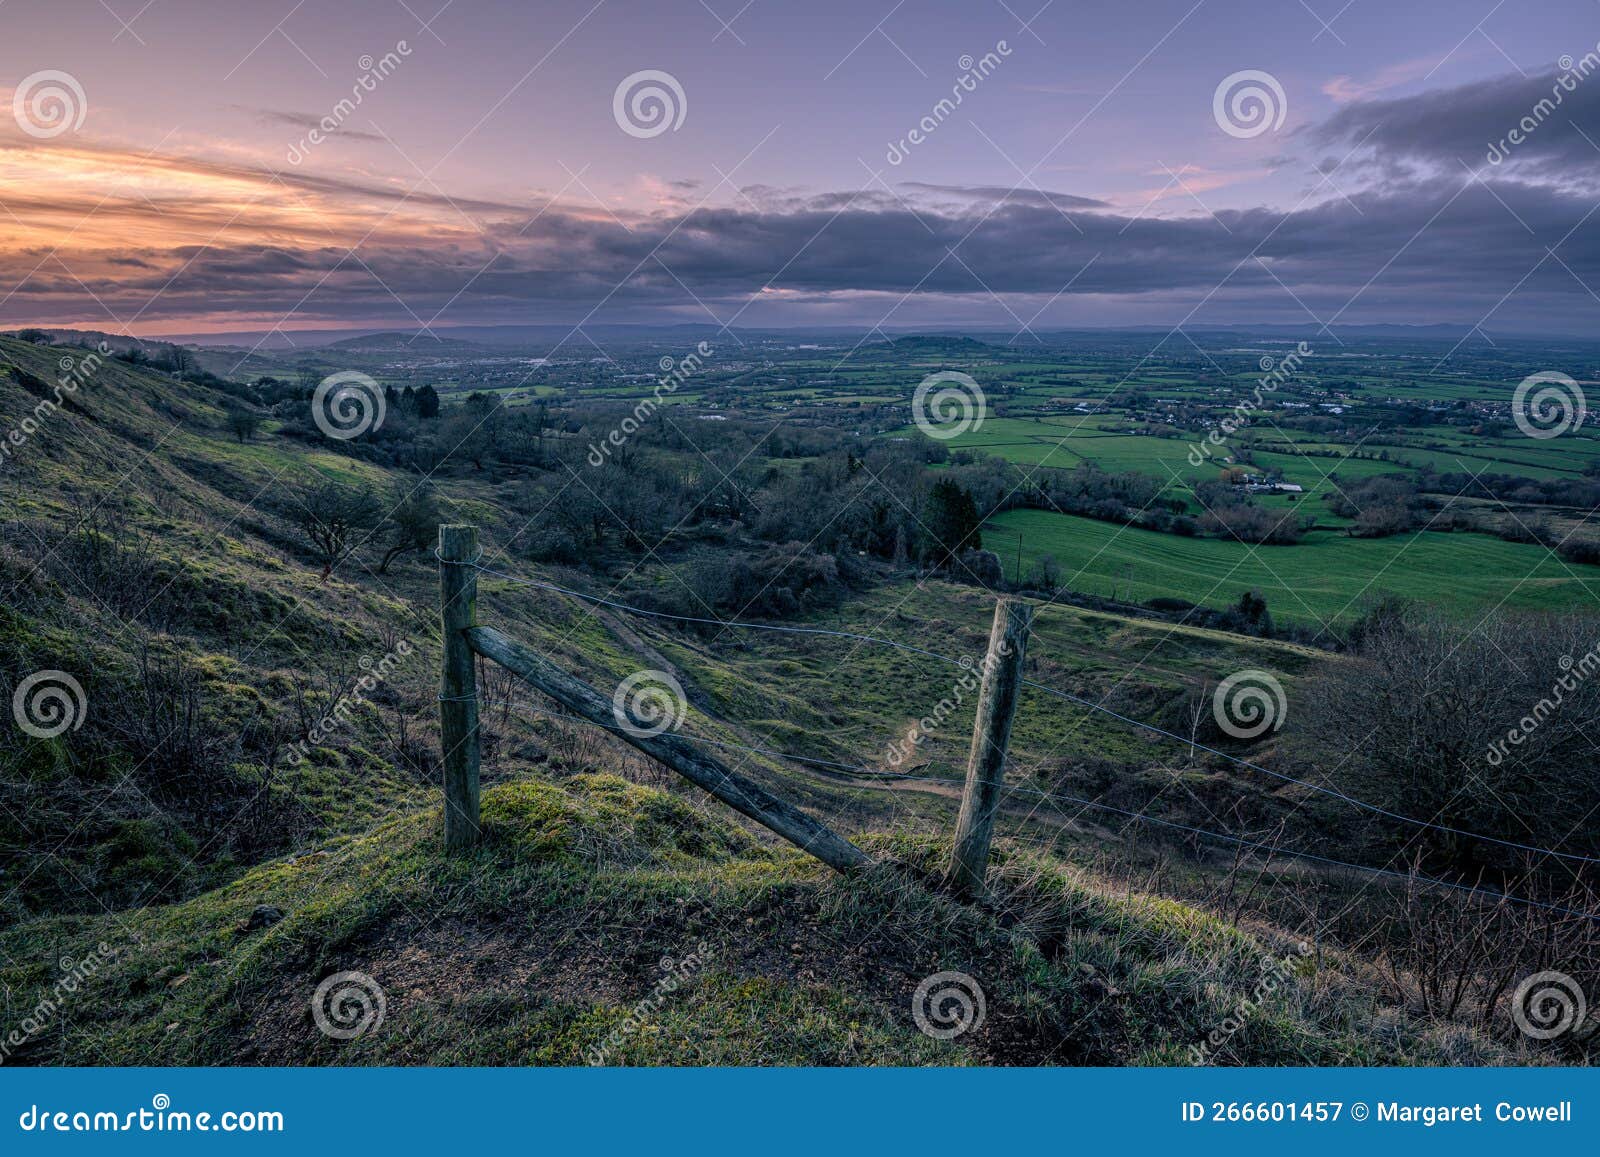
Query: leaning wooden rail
(458, 716)
(737, 791)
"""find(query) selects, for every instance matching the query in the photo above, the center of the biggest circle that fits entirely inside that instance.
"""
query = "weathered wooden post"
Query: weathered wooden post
(458, 685)
(991, 732)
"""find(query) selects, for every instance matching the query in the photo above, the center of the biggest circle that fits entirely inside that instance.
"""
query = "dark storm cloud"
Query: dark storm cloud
(1445, 245)
(1546, 125)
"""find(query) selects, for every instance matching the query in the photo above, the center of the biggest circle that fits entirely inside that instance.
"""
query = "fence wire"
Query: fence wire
(1012, 790)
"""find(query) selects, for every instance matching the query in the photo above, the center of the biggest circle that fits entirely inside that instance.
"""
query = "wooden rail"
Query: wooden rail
(737, 791)
(464, 639)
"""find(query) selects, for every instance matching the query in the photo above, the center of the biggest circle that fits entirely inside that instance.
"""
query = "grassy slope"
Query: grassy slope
(228, 595)
(537, 948)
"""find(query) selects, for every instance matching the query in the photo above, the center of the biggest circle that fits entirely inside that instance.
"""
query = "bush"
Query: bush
(1483, 728)
(1580, 550)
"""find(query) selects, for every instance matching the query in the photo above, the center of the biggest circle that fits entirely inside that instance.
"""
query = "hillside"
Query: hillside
(150, 553)
(589, 895)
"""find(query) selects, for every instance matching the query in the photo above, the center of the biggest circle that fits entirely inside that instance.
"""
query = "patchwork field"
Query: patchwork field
(1324, 579)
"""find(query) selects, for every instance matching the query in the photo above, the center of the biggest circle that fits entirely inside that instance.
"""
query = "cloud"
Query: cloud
(1468, 125)
(304, 122)
(1345, 89)
(164, 241)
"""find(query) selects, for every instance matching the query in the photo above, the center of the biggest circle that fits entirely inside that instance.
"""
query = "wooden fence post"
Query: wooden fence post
(991, 732)
(458, 685)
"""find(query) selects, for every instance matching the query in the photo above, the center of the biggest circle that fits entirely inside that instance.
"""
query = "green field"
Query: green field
(1323, 579)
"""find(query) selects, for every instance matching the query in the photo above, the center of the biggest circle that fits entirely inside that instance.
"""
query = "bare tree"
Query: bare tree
(1492, 729)
(413, 523)
(333, 519)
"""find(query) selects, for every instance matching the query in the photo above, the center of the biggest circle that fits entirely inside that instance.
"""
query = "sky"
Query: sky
(207, 166)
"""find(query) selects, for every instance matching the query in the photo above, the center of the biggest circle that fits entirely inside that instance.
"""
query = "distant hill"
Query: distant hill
(119, 342)
(923, 344)
(393, 342)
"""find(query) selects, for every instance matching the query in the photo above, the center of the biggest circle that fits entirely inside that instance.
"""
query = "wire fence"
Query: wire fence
(1055, 796)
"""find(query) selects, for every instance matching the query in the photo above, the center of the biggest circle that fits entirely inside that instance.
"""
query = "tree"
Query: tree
(36, 336)
(180, 360)
(952, 521)
(427, 402)
(243, 422)
(413, 523)
(332, 518)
